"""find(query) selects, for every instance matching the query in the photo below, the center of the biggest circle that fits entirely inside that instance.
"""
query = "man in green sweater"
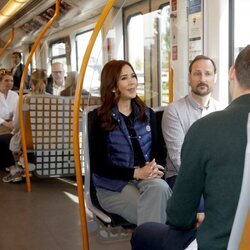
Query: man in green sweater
(212, 164)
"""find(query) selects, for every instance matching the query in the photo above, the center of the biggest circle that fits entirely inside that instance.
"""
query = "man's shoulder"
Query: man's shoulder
(218, 105)
(178, 104)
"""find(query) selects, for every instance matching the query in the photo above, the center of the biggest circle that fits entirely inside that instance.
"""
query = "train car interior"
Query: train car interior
(54, 206)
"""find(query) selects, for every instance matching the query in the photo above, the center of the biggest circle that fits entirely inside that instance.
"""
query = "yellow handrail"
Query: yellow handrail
(245, 243)
(11, 37)
(78, 94)
(170, 80)
(20, 102)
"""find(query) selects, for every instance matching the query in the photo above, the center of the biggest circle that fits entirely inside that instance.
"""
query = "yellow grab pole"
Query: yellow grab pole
(11, 37)
(245, 243)
(170, 80)
(78, 95)
(20, 102)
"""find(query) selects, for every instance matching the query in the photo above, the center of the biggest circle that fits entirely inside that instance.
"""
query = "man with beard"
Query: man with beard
(181, 114)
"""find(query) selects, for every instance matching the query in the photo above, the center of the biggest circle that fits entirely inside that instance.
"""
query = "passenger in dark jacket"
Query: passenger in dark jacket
(123, 138)
(17, 71)
(212, 164)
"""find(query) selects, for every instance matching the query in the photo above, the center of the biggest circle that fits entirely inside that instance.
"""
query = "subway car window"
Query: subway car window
(58, 49)
(149, 54)
(58, 52)
(92, 76)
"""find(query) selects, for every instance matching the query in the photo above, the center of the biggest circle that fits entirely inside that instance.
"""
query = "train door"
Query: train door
(147, 45)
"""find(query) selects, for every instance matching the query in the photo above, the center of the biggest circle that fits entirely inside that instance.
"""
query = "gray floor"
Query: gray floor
(48, 219)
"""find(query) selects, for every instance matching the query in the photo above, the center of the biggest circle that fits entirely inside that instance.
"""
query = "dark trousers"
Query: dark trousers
(6, 157)
(171, 181)
(156, 236)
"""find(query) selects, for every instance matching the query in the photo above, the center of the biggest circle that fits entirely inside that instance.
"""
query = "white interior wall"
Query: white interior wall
(179, 38)
(216, 43)
(215, 46)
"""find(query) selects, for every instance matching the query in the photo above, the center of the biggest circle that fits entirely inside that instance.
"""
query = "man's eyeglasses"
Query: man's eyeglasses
(57, 72)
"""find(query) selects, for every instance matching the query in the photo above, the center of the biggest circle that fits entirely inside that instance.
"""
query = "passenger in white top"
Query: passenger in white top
(8, 102)
(181, 114)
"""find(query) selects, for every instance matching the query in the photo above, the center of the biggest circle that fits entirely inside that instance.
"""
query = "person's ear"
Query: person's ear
(231, 73)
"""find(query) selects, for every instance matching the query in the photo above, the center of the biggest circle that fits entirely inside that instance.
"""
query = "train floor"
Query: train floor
(48, 218)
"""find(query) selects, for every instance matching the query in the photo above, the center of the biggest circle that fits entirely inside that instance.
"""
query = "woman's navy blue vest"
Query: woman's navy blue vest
(120, 150)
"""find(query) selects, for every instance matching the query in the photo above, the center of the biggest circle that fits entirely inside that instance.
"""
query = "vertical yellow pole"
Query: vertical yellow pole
(20, 102)
(170, 80)
(245, 240)
(78, 96)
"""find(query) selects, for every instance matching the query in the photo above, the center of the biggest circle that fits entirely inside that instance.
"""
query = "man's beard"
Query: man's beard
(201, 93)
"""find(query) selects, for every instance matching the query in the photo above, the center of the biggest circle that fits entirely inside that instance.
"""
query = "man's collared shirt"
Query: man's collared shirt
(58, 88)
(177, 119)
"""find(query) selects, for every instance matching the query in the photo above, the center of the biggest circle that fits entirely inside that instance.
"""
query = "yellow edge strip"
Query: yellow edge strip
(245, 242)
(170, 80)
(78, 95)
(20, 102)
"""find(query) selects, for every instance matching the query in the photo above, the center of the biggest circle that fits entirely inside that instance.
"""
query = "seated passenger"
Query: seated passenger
(37, 83)
(181, 114)
(70, 84)
(56, 82)
(212, 165)
(8, 103)
(124, 139)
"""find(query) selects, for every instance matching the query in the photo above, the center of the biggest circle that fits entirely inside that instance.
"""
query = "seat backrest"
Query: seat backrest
(162, 145)
(92, 202)
(49, 134)
(240, 234)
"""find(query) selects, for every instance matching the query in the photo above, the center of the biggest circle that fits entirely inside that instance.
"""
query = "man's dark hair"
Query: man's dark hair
(201, 57)
(242, 67)
(18, 54)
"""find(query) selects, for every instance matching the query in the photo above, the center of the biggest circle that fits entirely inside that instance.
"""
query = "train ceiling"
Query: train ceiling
(27, 21)
(36, 12)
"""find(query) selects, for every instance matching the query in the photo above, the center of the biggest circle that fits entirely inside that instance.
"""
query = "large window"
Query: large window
(148, 41)
(92, 76)
(58, 52)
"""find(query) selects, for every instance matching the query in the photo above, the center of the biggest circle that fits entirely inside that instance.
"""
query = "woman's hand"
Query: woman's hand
(150, 171)
(8, 125)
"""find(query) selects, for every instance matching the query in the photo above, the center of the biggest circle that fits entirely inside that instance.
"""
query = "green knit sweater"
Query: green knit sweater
(212, 164)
